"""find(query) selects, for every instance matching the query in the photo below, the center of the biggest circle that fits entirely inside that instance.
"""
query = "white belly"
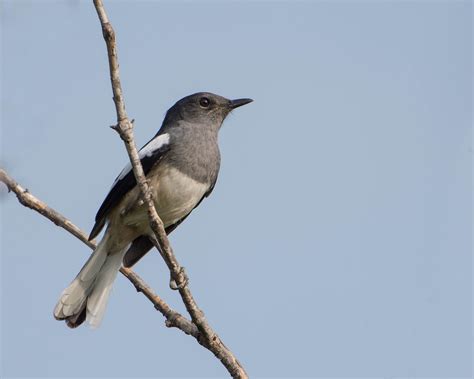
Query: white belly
(176, 194)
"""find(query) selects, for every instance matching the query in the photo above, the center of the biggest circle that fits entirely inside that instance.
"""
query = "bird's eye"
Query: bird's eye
(204, 102)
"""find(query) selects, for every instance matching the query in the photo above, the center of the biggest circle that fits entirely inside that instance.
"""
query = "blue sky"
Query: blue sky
(338, 239)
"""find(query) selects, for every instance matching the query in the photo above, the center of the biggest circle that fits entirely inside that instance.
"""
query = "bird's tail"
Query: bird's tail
(86, 297)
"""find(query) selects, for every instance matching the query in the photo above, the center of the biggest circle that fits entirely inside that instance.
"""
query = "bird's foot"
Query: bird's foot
(181, 281)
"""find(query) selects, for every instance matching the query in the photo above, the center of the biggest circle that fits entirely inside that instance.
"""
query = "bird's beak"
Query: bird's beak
(239, 102)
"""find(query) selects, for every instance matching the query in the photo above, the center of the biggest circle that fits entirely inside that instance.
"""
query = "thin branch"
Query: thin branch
(173, 318)
(125, 129)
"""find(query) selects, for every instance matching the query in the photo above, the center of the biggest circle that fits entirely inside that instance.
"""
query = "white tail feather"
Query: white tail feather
(91, 287)
(98, 299)
(73, 298)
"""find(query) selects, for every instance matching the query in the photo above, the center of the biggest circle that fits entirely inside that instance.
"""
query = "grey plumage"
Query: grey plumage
(181, 163)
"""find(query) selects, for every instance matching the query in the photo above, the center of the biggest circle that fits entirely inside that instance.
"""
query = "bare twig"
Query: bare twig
(125, 129)
(173, 318)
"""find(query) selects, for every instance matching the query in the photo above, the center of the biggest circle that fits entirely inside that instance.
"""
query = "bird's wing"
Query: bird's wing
(149, 155)
(142, 245)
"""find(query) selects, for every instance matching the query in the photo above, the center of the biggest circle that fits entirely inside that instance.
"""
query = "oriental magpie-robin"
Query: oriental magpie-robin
(181, 163)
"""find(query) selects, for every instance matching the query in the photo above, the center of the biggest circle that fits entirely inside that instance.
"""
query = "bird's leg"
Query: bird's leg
(176, 281)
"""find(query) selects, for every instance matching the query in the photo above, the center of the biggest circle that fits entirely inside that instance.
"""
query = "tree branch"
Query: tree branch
(125, 129)
(173, 318)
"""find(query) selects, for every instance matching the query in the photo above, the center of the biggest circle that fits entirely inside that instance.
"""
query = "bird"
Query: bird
(181, 163)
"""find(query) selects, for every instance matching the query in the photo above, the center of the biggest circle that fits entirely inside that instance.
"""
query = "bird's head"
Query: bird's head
(203, 108)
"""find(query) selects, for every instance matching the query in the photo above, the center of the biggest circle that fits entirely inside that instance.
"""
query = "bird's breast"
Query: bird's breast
(175, 193)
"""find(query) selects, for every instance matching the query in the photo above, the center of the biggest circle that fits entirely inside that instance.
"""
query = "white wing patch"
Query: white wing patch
(146, 151)
(154, 144)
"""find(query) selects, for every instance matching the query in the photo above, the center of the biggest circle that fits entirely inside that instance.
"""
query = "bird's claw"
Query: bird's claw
(181, 282)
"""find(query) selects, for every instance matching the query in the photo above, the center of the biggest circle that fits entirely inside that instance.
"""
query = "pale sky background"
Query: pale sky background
(337, 242)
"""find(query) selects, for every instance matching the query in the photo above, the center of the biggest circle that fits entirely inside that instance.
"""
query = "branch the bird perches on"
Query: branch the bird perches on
(198, 327)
